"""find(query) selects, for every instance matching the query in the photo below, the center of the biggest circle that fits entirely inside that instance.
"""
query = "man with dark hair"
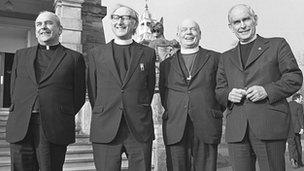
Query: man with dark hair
(121, 81)
(297, 120)
(47, 91)
(253, 81)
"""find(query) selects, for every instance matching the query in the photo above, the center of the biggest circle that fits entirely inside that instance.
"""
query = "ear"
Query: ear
(161, 20)
(60, 29)
(256, 19)
(230, 26)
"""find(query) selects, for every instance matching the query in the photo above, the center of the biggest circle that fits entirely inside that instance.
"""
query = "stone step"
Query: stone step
(71, 164)
(3, 143)
(80, 168)
(5, 167)
(82, 139)
(3, 114)
(2, 128)
(3, 122)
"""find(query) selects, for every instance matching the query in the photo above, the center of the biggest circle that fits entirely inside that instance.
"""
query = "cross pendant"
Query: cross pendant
(189, 78)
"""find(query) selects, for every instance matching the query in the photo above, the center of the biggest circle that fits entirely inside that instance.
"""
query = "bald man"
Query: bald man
(47, 91)
(192, 121)
(253, 81)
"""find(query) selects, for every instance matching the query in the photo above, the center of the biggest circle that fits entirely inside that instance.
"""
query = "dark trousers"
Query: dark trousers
(269, 153)
(107, 156)
(34, 152)
(295, 148)
(191, 153)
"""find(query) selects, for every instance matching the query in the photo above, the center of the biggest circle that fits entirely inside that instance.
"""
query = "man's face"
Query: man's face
(47, 29)
(189, 34)
(242, 24)
(123, 23)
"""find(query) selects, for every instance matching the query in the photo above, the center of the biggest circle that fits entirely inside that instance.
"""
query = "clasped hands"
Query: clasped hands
(254, 93)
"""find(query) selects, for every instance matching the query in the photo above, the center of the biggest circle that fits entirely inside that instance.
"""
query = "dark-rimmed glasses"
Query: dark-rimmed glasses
(115, 17)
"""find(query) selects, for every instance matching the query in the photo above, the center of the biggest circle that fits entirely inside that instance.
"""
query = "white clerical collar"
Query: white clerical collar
(189, 51)
(123, 42)
(254, 37)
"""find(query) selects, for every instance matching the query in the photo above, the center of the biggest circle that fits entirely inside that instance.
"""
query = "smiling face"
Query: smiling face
(48, 29)
(189, 34)
(243, 22)
(123, 23)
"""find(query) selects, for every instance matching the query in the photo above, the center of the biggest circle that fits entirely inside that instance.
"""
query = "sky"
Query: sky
(276, 18)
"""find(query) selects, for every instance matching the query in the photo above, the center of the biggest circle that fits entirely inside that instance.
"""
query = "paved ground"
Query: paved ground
(224, 164)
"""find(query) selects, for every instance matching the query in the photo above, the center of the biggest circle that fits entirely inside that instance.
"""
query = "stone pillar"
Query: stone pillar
(69, 12)
(92, 14)
(159, 153)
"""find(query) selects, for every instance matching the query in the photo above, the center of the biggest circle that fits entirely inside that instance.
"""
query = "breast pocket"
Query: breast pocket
(22, 71)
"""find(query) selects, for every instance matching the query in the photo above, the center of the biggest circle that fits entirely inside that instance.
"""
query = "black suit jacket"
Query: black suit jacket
(61, 93)
(110, 97)
(272, 65)
(297, 116)
(196, 98)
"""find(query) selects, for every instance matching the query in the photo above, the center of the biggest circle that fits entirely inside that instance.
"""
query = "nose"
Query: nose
(43, 25)
(120, 20)
(243, 25)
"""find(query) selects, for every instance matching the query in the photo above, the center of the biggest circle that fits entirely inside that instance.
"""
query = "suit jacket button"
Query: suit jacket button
(121, 91)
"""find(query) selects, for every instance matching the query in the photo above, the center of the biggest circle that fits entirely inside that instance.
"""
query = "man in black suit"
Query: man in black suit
(121, 79)
(297, 120)
(253, 81)
(47, 91)
(192, 121)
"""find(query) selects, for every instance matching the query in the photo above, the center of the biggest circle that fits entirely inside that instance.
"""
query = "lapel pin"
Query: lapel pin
(142, 67)
(259, 48)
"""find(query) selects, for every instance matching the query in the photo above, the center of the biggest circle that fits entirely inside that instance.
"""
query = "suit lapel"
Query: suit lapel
(30, 63)
(259, 46)
(137, 53)
(235, 57)
(176, 63)
(57, 58)
(200, 60)
(109, 60)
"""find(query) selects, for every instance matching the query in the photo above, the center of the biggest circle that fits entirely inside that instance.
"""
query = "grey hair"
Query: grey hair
(250, 10)
(134, 14)
(57, 19)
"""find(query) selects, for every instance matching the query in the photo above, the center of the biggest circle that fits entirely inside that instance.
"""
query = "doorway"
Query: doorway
(6, 62)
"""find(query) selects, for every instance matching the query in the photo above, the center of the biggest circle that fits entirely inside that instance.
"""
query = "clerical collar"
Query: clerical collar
(253, 39)
(123, 42)
(46, 47)
(189, 51)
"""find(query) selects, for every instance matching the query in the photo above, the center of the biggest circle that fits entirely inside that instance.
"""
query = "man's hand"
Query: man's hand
(236, 95)
(256, 93)
(301, 131)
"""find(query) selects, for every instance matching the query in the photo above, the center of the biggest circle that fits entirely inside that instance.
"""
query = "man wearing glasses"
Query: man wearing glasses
(121, 79)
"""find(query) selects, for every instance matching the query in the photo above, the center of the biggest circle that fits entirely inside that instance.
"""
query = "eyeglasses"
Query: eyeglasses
(115, 17)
